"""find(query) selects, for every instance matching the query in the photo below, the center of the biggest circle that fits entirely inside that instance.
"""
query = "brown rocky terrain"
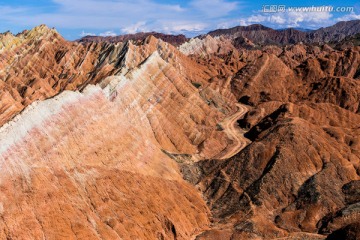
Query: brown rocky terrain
(297, 179)
(139, 139)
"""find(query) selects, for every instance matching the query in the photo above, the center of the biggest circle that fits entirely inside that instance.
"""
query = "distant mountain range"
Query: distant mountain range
(261, 35)
(173, 39)
(300, 29)
(253, 35)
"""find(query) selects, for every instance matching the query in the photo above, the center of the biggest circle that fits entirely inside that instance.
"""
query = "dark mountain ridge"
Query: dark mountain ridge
(175, 40)
(261, 35)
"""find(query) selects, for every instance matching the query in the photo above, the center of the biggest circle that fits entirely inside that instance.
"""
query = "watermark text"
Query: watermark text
(284, 8)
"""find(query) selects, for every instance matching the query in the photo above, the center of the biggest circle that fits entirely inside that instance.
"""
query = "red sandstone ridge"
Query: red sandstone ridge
(39, 64)
(140, 139)
(97, 163)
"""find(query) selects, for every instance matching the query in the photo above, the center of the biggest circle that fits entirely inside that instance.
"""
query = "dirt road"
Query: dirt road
(234, 132)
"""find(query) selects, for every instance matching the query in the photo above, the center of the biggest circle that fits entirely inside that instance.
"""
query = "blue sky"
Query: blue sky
(76, 18)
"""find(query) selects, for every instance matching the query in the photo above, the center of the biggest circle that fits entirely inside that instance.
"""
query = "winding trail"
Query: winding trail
(234, 132)
(229, 124)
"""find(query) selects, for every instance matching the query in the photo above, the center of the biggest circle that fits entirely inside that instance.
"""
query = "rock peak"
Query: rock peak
(43, 28)
(7, 33)
(41, 31)
(151, 39)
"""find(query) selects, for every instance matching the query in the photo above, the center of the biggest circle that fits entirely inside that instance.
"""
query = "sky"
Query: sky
(77, 18)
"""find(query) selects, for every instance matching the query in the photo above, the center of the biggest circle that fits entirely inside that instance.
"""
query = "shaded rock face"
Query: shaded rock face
(350, 232)
(352, 192)
(126, 140)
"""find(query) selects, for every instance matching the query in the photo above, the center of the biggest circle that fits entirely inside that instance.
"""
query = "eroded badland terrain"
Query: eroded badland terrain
(246, 133)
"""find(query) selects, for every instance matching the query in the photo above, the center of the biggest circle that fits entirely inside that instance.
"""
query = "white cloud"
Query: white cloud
(351, 16)
(127, 16)
(108, 34)
(308, 17)
(137, 27)
(182, 26)
(83, 34)
(278, 19)
(123, 16)
(257, 18)
(290, 19)
(242, 22)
